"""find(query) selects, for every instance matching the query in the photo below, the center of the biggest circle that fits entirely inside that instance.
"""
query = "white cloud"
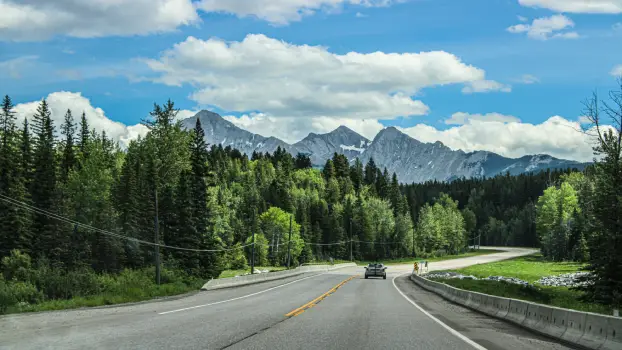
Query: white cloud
(286, 80)
(546, 28)
(15, 66)
(522, 18)
(529, 79)
(617, 26)
(361, 15)
(294, 129)
(60, 101)
(509, 137)
(556, 136)
(43, 19)
(282, 12)
(461, 118)
(577, 6)
(617, 71)
(485, 86)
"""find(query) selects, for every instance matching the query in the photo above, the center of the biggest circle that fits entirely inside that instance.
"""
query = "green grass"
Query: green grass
(529, 268)
(130, 294)
(410, 260)
(233, 273)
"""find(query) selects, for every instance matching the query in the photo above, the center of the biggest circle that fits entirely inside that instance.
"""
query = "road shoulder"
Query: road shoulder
(488, 332)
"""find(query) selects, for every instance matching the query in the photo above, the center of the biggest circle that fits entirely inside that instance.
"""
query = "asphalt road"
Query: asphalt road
(360, 314)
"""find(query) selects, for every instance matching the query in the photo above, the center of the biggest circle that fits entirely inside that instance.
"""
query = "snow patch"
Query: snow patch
(362, 143)
(352, 148)
(223, 141)
(538, 160)
(430, 162)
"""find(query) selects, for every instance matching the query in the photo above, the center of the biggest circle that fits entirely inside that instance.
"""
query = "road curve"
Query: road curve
(332, 310)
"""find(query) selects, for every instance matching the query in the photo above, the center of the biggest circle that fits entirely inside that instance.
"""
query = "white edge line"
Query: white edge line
(451, 330)
(238, 298)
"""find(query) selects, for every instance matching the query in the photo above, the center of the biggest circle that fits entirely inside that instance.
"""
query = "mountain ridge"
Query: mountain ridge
(411, 159)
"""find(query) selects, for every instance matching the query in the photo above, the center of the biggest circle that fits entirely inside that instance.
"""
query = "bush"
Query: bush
(17, 266)
(238, 259)
(6, 296)
(25, 292)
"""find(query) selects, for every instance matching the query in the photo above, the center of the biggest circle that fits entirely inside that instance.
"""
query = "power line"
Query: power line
(104, 232)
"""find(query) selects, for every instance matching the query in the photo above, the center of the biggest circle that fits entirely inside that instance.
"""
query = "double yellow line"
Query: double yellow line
(312, 303)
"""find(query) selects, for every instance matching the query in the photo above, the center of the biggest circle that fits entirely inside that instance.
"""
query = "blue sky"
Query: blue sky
(523, 72)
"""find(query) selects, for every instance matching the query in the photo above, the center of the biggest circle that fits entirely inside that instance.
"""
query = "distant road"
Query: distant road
(359, 314)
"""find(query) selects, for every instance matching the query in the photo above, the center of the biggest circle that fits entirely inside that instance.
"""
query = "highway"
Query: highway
(293, 313)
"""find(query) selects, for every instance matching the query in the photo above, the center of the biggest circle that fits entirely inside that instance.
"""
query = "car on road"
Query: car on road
(376, 270)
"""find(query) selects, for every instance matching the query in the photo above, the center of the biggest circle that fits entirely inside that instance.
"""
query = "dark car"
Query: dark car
(376, 270)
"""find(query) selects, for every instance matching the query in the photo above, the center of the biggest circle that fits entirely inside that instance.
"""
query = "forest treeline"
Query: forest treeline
(72, 200)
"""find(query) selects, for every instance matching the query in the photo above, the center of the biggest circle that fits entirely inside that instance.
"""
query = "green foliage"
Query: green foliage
(16, 266)
(441, 226)
(261, 249)
(237, 259)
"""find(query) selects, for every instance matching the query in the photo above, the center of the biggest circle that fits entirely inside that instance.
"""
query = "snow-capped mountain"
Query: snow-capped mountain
(221, 131)
(410, 159)
(414, 161)
(342, 140)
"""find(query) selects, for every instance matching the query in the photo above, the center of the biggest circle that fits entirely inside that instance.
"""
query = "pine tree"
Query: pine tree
(48, 239)
(68, 160)
(395, 196)
(356, 174)
(302, 161)
(84, 134)
(210, 261)
(14, 220)
(370, 172)
(329, 170)
(25, 148)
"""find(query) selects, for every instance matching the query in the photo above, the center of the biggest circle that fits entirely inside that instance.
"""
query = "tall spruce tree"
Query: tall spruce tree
(14, 220)
(48, 240)
(68, 161)
(202, 235)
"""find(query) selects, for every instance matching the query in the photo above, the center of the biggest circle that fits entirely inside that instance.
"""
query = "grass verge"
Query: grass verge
(233, 273)
(529, 268)
(402, 261)
(131, 295)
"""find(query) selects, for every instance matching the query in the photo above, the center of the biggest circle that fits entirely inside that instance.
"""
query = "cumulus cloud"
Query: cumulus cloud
(576, 6)
(282, 12)
(546, 28)
(617, 71)
(461, 118)
(43, 19)
(556, 136)
(286, 80)
(294, 129)
(60, 102)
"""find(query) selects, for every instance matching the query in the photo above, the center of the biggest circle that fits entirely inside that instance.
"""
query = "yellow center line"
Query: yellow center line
(312, 303)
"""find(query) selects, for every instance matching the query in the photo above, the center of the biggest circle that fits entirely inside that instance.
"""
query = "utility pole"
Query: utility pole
(253, 253)
(413, 241)
(289, 241)
(157, 239)
(351, 238)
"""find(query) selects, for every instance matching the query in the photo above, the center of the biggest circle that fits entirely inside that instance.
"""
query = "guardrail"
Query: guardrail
(269, 276)
(583, 329)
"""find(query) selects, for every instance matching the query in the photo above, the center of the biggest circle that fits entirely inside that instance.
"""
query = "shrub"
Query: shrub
(25, 292)
(6, 296)
(17, 266)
